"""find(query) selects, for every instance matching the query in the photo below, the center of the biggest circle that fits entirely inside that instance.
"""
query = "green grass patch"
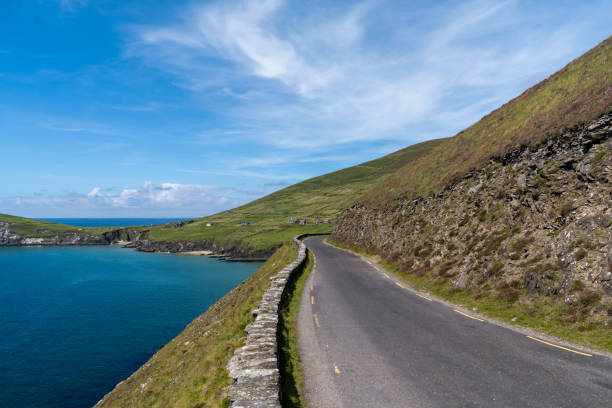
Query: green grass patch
(27, 227)
(292, 379)
(190, 370)
(577, 94)
(513, 306)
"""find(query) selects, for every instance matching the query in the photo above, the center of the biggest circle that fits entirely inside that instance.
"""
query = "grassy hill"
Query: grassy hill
(314, 200)
(574, 95)
(27, 227)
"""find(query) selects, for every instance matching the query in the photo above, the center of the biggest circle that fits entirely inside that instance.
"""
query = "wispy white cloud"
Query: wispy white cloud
(70, 5)
(321, 79)
(147, 107)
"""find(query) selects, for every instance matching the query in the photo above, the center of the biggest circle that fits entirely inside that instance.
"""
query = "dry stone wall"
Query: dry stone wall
(254, 366)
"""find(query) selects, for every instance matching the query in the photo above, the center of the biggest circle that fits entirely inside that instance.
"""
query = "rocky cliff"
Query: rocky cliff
(537, 221)
(11, 238)
(231, 252)
(131, 238)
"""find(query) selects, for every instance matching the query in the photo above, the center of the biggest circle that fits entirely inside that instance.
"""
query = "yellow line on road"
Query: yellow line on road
(336, 369)
(400, 285)
(387, 276)
(467, 315)
(424, 297)
(311, 288)
(316, 319)
(312, 300)
(562, 348)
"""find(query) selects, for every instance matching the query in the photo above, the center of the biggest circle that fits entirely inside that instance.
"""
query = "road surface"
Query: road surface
(366, 341)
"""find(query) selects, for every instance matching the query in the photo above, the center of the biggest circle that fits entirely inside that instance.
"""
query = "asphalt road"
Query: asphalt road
(365, 341)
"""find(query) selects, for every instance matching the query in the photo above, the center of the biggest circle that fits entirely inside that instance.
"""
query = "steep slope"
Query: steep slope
(514, 213)
(577, 94)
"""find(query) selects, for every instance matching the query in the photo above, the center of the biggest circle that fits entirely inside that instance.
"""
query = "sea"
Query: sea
(74, 321)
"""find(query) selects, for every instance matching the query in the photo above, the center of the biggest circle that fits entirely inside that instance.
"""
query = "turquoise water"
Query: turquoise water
(74, 321)
(112, 222)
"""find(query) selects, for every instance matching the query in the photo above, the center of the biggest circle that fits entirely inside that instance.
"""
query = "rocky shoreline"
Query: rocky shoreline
(130, 238)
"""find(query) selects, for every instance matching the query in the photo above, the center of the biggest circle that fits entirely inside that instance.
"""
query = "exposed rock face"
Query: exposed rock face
(9, 238)
(536, 221)
(136, 239)
(146, 245)
(254, 366)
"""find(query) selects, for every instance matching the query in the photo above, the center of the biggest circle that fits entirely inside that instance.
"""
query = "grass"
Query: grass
(27, 227)
(578, 93)
(542, 313)
(190, 370)
(289, 358)
(315, 200)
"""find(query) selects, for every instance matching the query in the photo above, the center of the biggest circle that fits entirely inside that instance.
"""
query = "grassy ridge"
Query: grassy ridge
(27, 227)
(576, 94)
(316, 199)
(190, 370)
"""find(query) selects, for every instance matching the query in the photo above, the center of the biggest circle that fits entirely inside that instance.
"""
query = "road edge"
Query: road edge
(527, 331)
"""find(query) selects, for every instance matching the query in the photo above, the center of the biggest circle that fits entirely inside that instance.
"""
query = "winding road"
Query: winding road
(367, 341)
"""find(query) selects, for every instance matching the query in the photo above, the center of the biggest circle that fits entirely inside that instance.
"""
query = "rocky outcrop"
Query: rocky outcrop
(232, 252)
(254, 366)
(10, 238)
(537, 221)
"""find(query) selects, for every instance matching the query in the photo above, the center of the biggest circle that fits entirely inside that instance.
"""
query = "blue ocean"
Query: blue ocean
(74, 321)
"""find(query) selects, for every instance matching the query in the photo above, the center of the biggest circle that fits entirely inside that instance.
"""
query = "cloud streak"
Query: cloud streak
(320, 79)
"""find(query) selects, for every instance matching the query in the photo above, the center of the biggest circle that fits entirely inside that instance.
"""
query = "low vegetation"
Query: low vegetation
(190, 370)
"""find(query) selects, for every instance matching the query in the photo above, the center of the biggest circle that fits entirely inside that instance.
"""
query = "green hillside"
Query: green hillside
(576, 94)
(27, 227)
(314, 200)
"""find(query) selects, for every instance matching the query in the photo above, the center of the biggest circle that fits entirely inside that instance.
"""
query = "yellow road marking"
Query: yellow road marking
(336, 369)
(316, 319)
(467, 315)
(424, 297)
(399, 284)
(311, 288)
(387, 276)
(562, 348)
(312, 300)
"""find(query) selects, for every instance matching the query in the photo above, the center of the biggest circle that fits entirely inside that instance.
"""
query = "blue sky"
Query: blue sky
(185, 108)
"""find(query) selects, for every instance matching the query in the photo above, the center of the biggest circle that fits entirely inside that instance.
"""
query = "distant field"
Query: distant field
(314, 200)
